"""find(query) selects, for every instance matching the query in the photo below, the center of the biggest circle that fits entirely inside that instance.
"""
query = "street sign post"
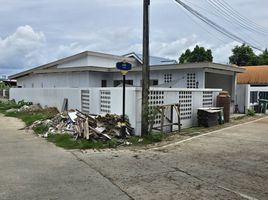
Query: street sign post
(124, 67)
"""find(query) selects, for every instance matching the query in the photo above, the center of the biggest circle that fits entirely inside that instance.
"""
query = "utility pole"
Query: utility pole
(145, 70)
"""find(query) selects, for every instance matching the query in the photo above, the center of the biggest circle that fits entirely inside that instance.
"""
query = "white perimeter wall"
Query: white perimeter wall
(109, 100)
(48, 97)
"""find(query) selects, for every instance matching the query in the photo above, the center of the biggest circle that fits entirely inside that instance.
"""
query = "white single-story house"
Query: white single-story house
(91, 69)
(90, 80)
(252, 85)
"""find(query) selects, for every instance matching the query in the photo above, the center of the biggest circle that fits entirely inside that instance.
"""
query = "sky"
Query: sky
(34, 32)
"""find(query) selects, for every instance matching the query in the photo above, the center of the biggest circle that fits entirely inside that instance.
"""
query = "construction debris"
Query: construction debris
(86, 126)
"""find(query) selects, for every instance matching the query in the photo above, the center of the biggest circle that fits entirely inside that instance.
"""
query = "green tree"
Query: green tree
(3, 86)
(199, 54)
(244, 56)
(263, 58)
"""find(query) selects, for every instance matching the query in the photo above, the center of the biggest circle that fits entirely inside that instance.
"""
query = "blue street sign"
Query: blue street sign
(123, 66)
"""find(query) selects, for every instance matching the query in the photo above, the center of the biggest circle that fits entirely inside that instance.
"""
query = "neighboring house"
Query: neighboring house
(252, 85)
(5, 84)
(8, 83)
(91, 69)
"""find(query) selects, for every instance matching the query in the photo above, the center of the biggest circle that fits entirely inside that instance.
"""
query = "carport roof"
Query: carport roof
(257, 75)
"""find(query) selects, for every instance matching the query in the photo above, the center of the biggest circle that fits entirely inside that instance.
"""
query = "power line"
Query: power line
(228, 13)
(226, 19)
(202, 27)
(216, 26)
(241, 17)
(236, 23)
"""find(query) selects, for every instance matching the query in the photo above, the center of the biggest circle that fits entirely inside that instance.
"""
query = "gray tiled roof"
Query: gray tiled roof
(153, 59)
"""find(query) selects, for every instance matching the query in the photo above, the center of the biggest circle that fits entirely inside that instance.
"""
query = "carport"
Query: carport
(223, 79)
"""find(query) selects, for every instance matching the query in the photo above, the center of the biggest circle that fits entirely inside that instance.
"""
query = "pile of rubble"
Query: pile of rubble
(87, 126)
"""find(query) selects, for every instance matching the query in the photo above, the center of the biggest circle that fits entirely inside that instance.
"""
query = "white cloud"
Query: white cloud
(172, 49)
(21, 48)
(27, 48)
(222, 53)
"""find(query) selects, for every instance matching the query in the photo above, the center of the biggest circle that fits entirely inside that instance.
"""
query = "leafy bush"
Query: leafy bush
(250, 112)
(23, 103)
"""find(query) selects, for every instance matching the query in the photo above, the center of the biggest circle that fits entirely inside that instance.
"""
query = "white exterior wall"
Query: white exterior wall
(243, 95)
(190, 99)
(63, 80)
(177, 75)
(48, 97)
(93, 79)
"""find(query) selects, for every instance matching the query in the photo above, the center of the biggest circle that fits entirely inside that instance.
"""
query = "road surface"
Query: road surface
(227, 164)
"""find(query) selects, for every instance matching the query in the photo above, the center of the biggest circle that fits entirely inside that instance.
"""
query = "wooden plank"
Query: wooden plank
(86, 129)
(164, 114)
(171, 117)
(162, 119)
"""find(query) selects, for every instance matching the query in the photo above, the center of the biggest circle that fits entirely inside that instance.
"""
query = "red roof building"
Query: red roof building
(254, 75)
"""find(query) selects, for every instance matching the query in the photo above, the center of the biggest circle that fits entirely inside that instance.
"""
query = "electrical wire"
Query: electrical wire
(216, 14)
(216, 26)
(226, 13)
(241, 17)
(203, 28)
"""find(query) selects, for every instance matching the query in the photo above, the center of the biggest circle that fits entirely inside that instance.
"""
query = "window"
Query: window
(118, 82)
(32, 85)
(263, 95)
(103, 83)
(167, 78)
(153, 82)
(191, 80)
(253, 97)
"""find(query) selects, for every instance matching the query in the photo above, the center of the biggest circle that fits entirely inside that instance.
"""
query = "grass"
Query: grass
(27, 117)
(68, 142)
(4, 106)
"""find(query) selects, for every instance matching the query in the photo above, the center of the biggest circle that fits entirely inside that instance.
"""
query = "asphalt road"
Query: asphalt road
(227, 164)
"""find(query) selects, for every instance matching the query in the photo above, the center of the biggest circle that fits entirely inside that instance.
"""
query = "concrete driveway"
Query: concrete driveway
(227, 164)
(31, 168)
